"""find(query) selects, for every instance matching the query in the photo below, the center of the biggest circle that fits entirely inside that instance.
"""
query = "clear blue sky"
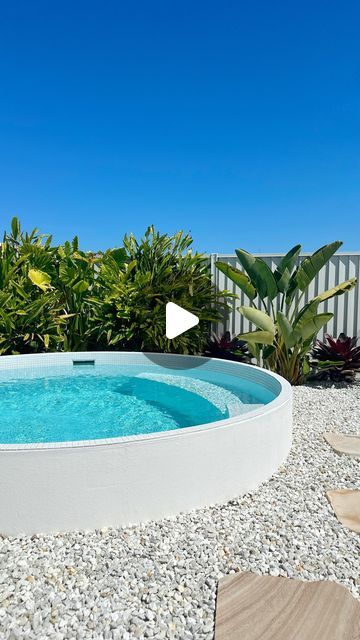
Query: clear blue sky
(236, 120)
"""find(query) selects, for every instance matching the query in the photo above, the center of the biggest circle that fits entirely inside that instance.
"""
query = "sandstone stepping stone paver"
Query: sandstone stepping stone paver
(346, 504)
(343, 443)
(253, 607)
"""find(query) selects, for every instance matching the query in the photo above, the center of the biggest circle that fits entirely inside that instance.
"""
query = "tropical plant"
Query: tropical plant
(227, 348)
(61, 298)
(285, 330)
(141, 278)
(28, 303)
(78, 293)
(44, 293)
(336, 359)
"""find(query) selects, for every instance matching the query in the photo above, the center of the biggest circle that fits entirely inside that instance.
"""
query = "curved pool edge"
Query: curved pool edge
(50, 487)
(68, 357)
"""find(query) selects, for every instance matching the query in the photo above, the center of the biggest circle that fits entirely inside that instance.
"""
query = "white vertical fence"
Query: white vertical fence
(346, 308)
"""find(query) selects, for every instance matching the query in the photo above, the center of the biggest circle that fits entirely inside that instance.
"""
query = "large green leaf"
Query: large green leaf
(311, 265)
(119, 255)
(286, 330)
(311, 307)
(259, 318)
(283, 272)
(257, 337)
(238, 277)
(259, 273)
(81, 286)
(40, 279)
(341, 288)
(307, 312)
(309, 329)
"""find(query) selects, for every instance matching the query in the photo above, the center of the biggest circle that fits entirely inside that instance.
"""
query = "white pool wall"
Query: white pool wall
(49, 487)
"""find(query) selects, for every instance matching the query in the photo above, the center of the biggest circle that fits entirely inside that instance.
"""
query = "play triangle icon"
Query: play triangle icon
(178, 320)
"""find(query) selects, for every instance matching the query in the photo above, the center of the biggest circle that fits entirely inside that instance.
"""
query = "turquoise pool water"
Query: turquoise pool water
(108, 401)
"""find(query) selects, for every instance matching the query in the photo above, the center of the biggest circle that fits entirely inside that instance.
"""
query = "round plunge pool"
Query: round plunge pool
(98, 439)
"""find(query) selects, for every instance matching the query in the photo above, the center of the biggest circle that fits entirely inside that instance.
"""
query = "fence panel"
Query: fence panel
(346, 308)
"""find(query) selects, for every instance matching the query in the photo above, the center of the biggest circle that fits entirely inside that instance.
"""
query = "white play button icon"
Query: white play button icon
(178, 320)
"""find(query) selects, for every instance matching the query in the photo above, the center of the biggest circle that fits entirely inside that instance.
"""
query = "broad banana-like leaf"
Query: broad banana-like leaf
(238, 277)
(341, 288)
(311, 265)
(119, 255)
(286, 330)
(259, 318)
(307, 312)
(283, 272)
(259, 273)
(257, 337)
(311, 307)
(81, 286)
(309, 329)
(40, 279)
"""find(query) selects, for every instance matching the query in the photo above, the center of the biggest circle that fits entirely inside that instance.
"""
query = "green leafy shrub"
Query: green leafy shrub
(28, 303)
(61, 298)
(45, 294)
(138, 282)
(283, 338)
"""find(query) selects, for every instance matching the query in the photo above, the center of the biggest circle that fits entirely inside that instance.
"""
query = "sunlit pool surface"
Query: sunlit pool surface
(109, 401)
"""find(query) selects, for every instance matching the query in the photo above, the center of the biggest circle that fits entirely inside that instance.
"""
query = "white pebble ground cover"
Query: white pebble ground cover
(159, 580)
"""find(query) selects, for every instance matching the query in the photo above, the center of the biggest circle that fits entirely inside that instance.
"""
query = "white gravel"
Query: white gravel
(159, 580)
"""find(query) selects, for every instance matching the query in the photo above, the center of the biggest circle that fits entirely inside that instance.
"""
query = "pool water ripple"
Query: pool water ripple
(114, 400)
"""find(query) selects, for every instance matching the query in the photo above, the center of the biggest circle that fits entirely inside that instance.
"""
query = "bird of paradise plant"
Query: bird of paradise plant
(284, 331)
